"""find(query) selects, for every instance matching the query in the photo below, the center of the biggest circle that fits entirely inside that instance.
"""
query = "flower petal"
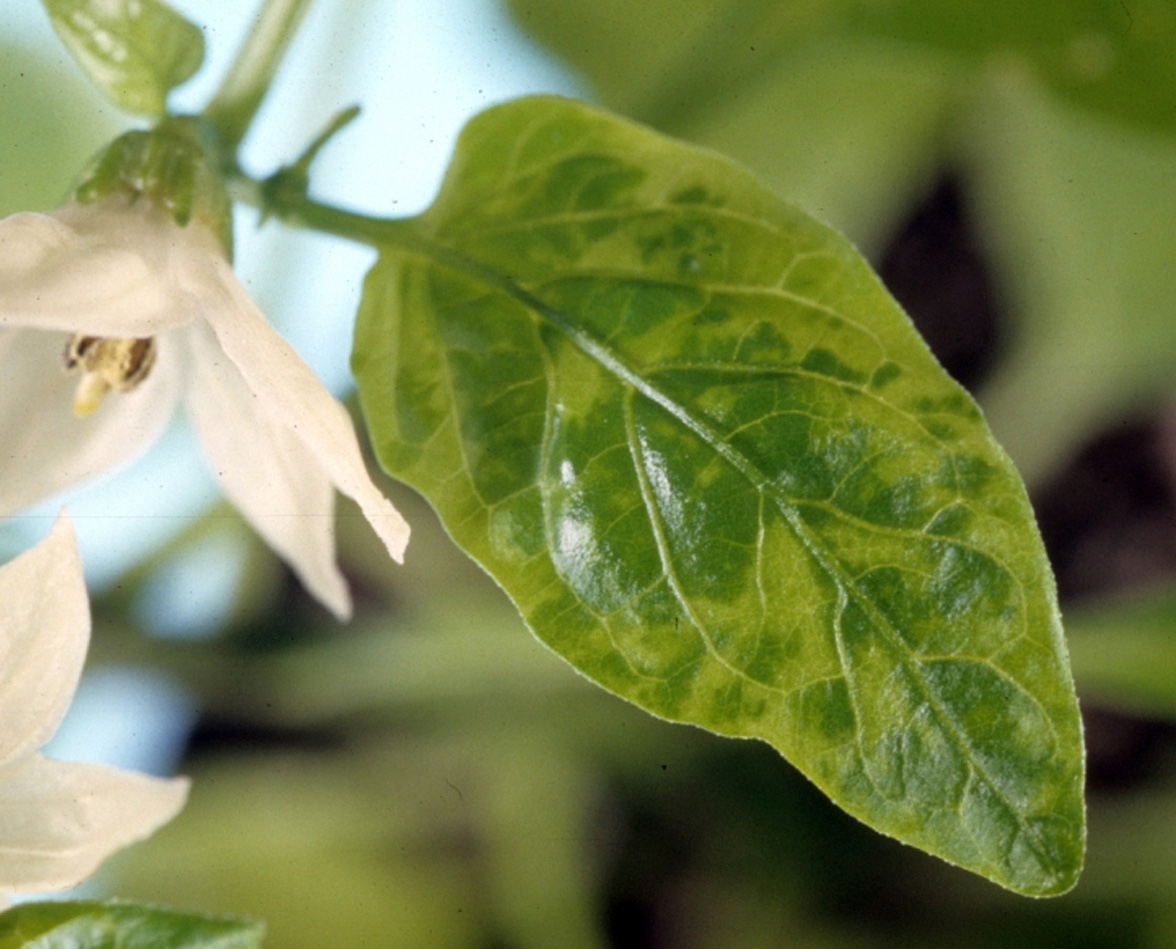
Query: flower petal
(47, 447)
(105, 269)
(265, 469)
(44, 633)
(59, 820)
(286, 390)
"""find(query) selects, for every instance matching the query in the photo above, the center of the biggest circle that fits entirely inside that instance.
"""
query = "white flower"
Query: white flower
(107, 275)
(58, 820)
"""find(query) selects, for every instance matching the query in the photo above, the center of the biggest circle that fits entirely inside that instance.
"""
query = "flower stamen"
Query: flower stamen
(106, 363)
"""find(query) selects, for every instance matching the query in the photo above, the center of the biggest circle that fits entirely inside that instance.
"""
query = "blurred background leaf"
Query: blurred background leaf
(1078, 213)
(1124, 651)
(661, 61)
(53, 120)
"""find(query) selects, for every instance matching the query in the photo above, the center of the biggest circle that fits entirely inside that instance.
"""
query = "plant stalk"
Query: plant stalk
(244, 86)
(294, 208)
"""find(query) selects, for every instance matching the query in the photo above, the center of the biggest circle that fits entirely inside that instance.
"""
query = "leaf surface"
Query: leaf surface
(715, 467)
(118, 925)
(135, 51)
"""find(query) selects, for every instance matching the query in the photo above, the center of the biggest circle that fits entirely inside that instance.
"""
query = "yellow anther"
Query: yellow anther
(106, 363)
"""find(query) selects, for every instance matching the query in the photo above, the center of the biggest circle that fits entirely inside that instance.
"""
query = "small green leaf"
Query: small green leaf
(709, 458)
(119, 925)
(135, 51)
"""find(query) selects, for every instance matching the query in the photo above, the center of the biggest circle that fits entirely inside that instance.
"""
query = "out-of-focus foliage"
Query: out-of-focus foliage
(1125, 651)
(1078, 212)
(648, 58)
(51, 118)
(453, 800)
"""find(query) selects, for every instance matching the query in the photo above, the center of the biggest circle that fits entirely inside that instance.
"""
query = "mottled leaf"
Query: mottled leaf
(709, 458)
(119, 925)
(849, 109)
(135, 51)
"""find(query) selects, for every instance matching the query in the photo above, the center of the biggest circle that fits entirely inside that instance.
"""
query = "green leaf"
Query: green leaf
(849, 109)
(135, 51)
(119, 925)
(715, 467)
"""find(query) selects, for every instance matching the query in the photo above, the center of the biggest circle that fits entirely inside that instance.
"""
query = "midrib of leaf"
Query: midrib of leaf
(628, 377)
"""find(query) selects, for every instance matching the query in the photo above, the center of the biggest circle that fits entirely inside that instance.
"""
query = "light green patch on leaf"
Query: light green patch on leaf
(118, 925)
(715, 467)
(135, 51)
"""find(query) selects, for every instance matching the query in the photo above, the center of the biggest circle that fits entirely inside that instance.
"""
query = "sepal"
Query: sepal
(172, 167)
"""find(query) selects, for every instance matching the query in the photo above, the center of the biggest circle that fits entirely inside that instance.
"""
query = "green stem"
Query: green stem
(294, 208)
(248, 79)
(351, 225)
(283, 196)
(277, 198)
